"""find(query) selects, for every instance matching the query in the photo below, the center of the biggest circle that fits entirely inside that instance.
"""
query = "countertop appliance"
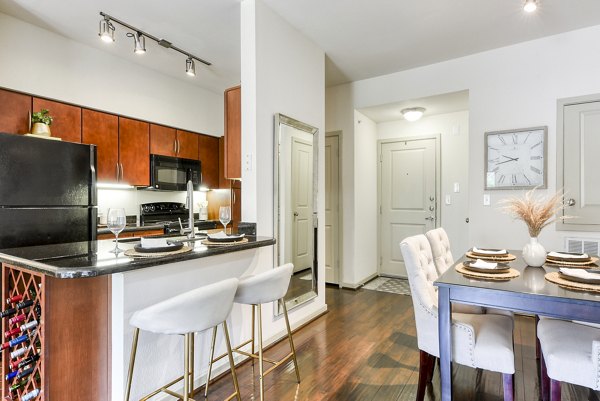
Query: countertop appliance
(47, 191)
(170, 173)
(167, 214)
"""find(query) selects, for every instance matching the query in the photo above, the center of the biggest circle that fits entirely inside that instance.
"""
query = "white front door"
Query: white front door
(407, 197)
(302, 210)
(331, 209)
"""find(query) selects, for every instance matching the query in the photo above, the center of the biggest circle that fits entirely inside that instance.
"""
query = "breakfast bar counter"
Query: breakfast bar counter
(84, 296)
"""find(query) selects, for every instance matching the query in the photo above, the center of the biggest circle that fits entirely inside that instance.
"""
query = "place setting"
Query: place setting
(482, 269)
(488, 254)
(222, 238)
(571, 259)
(156, 248)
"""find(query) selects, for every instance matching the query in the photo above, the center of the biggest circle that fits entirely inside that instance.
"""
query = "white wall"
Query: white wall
(44, 63)
(282, 72)
(454, 130)
(511, 87)
(365, 246)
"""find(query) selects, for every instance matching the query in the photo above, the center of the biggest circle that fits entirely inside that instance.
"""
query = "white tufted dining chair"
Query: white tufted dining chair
(570, 353)
(479, 340)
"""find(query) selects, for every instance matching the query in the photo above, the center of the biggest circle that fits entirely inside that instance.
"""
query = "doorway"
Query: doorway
(332, 208)
(408, 180)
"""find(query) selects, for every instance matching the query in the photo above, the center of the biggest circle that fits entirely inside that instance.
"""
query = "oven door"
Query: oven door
(170, 173)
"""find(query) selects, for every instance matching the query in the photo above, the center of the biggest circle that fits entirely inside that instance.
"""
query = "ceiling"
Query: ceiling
(361, 38)
(439, 104)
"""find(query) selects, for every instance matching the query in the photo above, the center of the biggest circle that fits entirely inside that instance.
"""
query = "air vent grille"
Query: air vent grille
(591, 246)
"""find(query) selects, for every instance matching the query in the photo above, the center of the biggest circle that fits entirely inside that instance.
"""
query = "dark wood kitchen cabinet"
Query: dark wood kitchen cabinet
(208, 151)
(102, 130)
(15, 109)
(187, 147)
(66, 123)
(134, 151)
(236, 203)
(163, 140)
(233, 133)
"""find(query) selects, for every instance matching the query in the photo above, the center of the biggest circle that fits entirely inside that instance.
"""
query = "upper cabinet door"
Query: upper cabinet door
(134, 151)
(14, 112)
(163, 140)
(187, 145)
(102, 130)
(66, 123)
(208, 150)
(580, 165)
(233, 133)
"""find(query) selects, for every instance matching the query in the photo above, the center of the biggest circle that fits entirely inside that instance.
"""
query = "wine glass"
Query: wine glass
(116, 220)
(225, 216)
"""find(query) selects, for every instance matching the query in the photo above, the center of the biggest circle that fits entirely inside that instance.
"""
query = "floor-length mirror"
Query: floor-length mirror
(295, 205)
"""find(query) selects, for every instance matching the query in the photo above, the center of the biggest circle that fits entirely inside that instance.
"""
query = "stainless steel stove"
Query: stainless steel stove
(168, 214)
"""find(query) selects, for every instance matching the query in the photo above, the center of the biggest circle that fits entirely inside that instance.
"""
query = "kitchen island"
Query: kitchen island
(87, 295)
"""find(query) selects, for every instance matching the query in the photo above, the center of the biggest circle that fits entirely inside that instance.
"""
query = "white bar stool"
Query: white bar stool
(257, 290)
(186, 314)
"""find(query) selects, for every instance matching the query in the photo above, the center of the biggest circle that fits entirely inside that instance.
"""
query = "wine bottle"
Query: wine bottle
(18, 352)
(29, 325)
(15, 341)
(8, 312)
(12, 332)
(25, 304)
(14, 299)
(17, 319)
(18, 385)
(38, 310)
(24, 362)
(19, 374)
(31, 395)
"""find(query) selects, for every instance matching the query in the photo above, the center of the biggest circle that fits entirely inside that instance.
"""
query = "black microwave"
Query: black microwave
(171, 173)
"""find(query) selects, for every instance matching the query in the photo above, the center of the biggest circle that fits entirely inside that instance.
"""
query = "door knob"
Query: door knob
(431, 198)
(430, 218)
(295, 214)
(431, 208)
(571, 202)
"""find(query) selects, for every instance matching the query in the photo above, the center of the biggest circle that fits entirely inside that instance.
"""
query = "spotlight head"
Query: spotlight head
(190, 67)
(107, 30)
(139, 42)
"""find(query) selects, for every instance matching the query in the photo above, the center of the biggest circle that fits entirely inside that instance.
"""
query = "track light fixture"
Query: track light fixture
(107, 34)
(530, 6)
(190, 67)
(107, 30)
(139, 42)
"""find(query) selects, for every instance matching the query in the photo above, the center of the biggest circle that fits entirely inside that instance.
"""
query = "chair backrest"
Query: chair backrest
(265, 287)
(421, 275)
(440, 248)
(190, 312)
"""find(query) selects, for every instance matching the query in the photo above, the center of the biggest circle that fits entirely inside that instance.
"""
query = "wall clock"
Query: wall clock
(516, 159)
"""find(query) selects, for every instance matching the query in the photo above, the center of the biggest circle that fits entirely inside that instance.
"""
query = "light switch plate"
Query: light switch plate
(448, 199)
(486, 200)
(456, 187)
(248, 162)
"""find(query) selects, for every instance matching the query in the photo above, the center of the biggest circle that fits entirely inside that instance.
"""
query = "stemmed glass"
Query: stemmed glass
(116, 220)
(225, 216)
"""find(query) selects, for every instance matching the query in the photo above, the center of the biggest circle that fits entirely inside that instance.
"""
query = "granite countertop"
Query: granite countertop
(92, 258)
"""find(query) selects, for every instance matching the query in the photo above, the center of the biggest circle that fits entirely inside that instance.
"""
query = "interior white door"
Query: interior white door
(581, 163)
(332, 209)
(302, 210)
(407, 197)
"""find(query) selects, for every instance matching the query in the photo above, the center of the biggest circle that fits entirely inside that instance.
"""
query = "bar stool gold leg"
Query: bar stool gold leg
(231, 362)
(136, 335)
(186, 368)
(253, 328)
(210, 363)
(191, 388)
(287, 324)
(261, 378)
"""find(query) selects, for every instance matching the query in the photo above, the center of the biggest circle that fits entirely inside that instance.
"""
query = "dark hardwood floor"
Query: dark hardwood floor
(365, 348)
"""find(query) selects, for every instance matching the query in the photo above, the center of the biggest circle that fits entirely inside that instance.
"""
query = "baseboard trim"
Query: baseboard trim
(356, 286)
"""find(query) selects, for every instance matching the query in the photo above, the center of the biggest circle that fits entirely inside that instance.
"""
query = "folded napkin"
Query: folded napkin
(481, 264)
(489, 252)
(154, 242)
(579, 273)
(222, 235)
(568, 255)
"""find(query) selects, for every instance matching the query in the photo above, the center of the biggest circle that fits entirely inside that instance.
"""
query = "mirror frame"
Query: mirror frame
(285, 120)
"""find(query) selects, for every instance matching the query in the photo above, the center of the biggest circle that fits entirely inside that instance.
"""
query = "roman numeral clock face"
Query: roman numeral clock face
(516, 159)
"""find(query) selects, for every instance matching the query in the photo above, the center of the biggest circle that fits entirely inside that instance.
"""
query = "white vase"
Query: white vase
(534, 253)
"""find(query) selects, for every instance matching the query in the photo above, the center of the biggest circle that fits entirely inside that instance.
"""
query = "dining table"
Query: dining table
(529, 293)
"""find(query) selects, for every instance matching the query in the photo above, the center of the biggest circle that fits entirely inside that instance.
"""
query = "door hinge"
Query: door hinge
(381, 261)
(381, 158)
(380, 209)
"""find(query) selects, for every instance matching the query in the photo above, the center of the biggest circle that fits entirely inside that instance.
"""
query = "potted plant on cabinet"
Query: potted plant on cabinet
(41, 123)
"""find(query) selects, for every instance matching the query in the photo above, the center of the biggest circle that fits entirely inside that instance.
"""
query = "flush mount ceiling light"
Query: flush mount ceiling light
(530, 6)
(107, 34)
(107, 30)
(190, 67)
(139, 42)
(413, 113)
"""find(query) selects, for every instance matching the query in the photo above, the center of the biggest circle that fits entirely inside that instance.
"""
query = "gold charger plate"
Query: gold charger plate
(589, 263)
(556, 278)
(134, 254)
(208, 242)
(496, 258)
(512, 273)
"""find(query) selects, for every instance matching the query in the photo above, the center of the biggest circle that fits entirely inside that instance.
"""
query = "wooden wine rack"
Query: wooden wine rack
(17, 281)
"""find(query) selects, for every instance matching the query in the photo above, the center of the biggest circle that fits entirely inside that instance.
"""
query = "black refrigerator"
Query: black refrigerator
(48, 191)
